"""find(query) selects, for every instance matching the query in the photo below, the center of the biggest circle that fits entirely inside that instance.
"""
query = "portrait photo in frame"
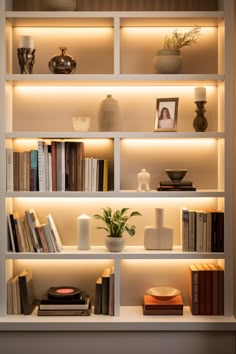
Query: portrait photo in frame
(166, 114)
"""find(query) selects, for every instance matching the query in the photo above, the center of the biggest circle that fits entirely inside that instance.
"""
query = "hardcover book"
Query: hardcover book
(26, 292)
(105, 290)
(194, 289)
(154, 306)
(98, 297)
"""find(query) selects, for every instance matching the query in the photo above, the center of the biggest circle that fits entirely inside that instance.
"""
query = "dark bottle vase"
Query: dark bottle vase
(62, 63)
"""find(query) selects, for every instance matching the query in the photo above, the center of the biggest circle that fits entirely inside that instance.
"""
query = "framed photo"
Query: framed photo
(166, 114)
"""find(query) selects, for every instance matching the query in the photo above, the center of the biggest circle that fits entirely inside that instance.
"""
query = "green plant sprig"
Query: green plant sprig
(116, 223)
(178, 40)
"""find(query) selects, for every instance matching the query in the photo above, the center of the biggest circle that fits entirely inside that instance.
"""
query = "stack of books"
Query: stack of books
(56, 166)
(202, 230)
(104, 293)
(176, 186)
(64, 301)
(20, 295)
(206, 289)
(26, 234)
(153, 305)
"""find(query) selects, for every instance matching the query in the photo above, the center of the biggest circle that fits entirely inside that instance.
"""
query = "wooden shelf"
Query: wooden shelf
(130, 252)
(114, 79)
(131, 319)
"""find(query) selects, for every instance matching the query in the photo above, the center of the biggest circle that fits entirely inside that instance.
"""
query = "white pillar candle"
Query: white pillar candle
(83, 232)
(200, 94)
(26, 42)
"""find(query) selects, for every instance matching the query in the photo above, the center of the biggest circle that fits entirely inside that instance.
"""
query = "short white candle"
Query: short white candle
(26, 42)
(83, 231)
(200, 94)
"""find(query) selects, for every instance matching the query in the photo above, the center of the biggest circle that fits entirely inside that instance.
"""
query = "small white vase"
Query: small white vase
(168, 61)
(81, 124)
(109, 115)
(159, 237)
(114, 244)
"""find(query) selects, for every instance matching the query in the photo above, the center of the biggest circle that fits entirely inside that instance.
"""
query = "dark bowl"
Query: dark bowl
(176, 175)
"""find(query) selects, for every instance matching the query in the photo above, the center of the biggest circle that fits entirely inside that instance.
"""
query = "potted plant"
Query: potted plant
(116, 223)
(169, 60)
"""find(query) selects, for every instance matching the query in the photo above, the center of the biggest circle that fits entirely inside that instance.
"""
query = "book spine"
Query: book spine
(192, 231)
(64, 312)
(41, 166)
(98, 297)
(208, 291)
(185, 230)
(9, 169)
(202, 290)
(34, 170)
(25, 293)
(194, 290)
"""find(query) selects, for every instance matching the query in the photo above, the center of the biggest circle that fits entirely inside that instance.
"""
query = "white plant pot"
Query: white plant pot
(114, 244)
(168, 61)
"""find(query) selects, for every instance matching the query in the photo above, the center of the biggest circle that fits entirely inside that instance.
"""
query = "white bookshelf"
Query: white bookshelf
(208, 154)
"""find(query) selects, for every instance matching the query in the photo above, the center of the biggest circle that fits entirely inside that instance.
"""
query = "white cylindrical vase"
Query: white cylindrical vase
(83, 232)
(109, 115)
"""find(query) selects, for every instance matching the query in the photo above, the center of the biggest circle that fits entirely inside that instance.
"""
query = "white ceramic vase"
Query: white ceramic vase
(114, 244)
(158, 237)
(168, 61)
(81, 124)
(109, 115)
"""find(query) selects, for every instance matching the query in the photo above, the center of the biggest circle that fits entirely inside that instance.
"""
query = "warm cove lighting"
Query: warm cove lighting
(196, 143)
(68, 90)
(61, 32)
(162, 31)
(27, 144)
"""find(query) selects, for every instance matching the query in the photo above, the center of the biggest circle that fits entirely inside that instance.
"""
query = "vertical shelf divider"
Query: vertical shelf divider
(117, 287)
(116, 163)
(116, 45)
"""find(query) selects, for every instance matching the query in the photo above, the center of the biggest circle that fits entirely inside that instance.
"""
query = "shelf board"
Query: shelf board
(113, 79)
(130, 252)
(131, 319)
(120, 194)
(115, 135)
(106, 18)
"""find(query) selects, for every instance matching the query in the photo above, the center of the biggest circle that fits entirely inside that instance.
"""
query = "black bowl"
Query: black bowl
(176, 175)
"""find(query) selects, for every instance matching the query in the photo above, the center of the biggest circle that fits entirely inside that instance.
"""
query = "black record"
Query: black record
(64, 292)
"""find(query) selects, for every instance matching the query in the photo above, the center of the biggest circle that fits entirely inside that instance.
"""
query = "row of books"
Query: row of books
(20, 296)
(26, 234)
(59, 166)
(202, 231)
(104, 293)
(206, 289)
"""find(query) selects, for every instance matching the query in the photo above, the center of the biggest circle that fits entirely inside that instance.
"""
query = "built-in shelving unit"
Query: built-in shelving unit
(114, 51)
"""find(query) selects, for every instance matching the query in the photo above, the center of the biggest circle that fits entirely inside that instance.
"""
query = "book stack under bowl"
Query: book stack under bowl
(176, 182)
(168, 302)
(176, 186)
(64, 301)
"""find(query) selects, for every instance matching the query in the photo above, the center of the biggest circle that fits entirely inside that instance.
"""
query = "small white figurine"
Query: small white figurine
(143, 180)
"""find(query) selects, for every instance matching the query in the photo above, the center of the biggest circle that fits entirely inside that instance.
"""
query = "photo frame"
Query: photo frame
(166, 114)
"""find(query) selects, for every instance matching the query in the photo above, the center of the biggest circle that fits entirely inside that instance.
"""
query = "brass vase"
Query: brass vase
(62, 63)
